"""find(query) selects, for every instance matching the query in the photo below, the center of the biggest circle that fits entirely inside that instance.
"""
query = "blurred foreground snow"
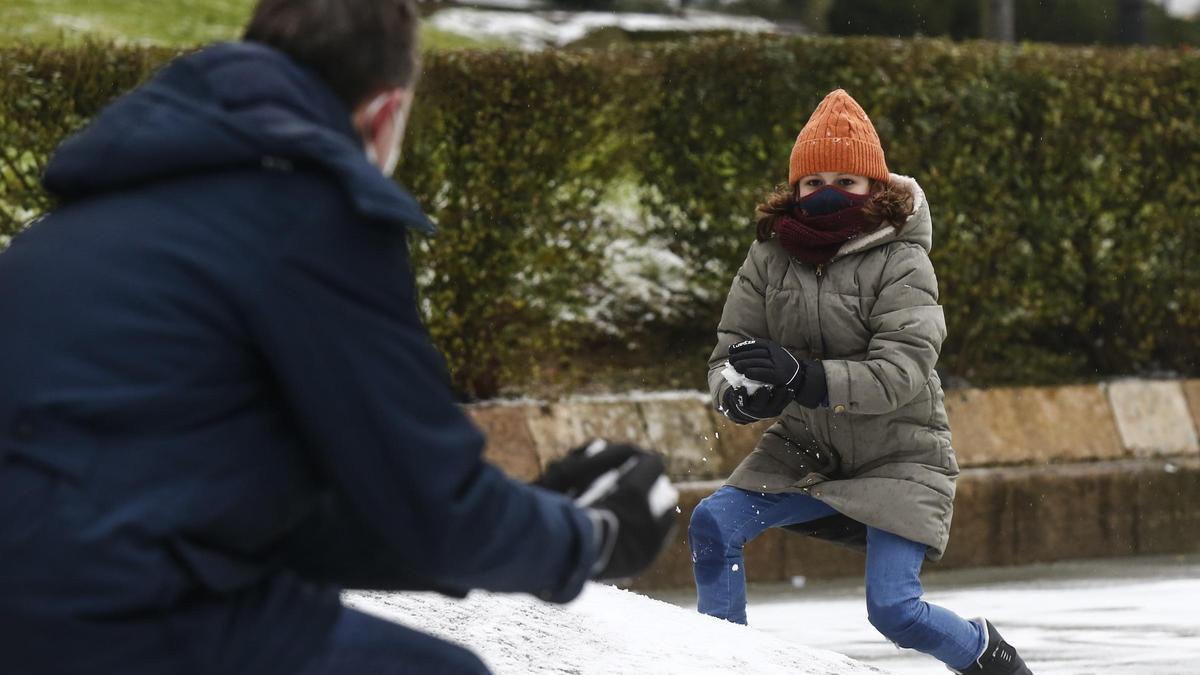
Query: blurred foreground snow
(606, 631)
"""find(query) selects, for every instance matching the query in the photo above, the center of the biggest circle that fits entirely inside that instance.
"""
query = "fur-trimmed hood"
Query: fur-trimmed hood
(918, 228)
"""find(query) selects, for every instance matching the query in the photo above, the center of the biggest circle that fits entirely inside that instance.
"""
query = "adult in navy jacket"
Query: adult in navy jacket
(219, 404)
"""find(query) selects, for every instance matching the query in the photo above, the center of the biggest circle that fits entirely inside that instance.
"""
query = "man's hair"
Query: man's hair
(358, 47)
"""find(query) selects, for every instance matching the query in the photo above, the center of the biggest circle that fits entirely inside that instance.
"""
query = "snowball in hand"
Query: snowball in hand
(736, 379)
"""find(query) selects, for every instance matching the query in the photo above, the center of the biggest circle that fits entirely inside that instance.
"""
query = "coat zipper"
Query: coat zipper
(820, 272)
(826, 423)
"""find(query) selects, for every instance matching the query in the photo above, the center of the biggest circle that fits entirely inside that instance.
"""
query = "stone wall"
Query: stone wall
(1049, 473)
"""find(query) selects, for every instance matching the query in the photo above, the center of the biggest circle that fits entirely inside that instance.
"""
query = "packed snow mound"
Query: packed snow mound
(606, 631)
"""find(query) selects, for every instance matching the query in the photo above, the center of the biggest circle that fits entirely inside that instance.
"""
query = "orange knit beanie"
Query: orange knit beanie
(838, 137)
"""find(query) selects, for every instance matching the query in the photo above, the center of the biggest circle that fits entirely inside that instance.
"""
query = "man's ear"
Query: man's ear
(373, 114)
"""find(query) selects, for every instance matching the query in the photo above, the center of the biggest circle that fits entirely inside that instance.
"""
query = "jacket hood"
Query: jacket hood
(917, 228)
(230, 105)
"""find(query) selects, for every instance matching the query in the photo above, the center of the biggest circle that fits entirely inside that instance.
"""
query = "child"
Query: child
(836, 310)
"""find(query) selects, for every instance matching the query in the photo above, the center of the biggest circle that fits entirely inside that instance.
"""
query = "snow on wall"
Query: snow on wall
(606, 631)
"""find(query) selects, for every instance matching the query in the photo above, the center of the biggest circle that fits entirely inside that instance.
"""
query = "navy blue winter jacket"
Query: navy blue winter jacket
(217, 401)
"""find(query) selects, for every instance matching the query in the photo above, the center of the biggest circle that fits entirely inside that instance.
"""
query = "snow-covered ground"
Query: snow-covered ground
(537, 30)
(1131, 616)
(606, 631)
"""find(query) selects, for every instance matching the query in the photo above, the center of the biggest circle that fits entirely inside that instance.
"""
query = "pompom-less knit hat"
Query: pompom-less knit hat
(838, 137)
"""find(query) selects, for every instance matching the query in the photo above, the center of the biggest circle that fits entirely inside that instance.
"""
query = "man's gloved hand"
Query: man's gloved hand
(763, 404)
(765, 361)
(628, 497)
(574, 473)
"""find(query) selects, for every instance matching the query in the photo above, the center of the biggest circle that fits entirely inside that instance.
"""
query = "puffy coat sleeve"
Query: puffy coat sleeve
(908, 329)
(743, 318)
(339, 332)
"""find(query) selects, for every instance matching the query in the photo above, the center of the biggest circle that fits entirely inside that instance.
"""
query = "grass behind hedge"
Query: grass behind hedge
(172, 23)
(1062, 182)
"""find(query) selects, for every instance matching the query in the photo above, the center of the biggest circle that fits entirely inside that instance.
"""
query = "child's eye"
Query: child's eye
(814, 182)
(846, 182)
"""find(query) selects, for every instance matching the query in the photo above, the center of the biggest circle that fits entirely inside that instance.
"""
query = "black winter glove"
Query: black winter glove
(765, 361)
(628, 497)
(763, 404)
(810, 386)
(574, 473)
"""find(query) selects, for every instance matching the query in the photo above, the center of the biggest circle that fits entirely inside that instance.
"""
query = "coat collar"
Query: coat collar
(917, 228)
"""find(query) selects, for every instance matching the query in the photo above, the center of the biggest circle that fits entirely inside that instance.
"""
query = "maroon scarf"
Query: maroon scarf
(816, 239)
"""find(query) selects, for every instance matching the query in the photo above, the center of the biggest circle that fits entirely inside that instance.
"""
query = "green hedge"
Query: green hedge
(1063, 183)
(45, 94)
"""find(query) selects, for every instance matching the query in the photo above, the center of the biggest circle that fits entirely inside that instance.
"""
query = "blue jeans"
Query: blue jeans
(725, 520)
(361, 643)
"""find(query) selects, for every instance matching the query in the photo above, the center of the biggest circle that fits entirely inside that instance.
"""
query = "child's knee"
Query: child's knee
(703, 528)
(707, 542)
(894, 616)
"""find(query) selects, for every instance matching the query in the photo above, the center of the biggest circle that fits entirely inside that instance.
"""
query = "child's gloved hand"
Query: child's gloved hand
(765, 361)
(765, 403)
(811, 388)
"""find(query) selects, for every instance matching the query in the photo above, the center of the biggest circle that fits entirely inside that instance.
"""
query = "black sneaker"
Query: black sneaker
(998, 658)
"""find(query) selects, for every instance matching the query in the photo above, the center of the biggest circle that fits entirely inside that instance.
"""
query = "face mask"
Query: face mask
(830, 199)
(388, 164)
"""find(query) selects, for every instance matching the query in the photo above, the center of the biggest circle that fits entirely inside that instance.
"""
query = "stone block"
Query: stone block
(1031, 425)
(983, 530)
(1191, 390)
(509, 443)
(1153, 418)
(558, 427)
(1073, 512)
(685, 433)
(1167, 498)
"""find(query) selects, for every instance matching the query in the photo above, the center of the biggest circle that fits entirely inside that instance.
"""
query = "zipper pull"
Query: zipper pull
(820, 270)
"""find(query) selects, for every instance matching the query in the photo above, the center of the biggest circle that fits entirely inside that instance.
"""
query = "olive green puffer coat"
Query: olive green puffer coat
(871, 316)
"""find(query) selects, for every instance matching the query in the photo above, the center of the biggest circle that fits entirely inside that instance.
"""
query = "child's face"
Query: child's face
(856, 185)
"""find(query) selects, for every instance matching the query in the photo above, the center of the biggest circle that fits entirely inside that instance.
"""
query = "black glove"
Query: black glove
(628, 497)
(765, 361)
(810, 386)
(763, 404)
(573, 474)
